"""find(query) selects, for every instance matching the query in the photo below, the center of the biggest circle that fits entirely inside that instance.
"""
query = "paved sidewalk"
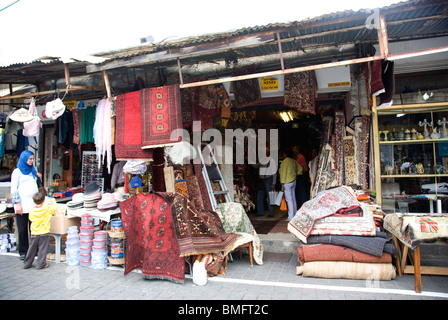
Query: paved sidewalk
(271, 281)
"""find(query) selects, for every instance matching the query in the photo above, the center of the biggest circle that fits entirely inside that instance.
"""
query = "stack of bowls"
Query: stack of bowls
(86, 236)
(72, 246)
(99, 250)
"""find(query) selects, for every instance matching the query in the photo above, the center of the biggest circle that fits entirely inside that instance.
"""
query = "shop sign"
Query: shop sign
(269, 83)
(70, 105)
(339, 84)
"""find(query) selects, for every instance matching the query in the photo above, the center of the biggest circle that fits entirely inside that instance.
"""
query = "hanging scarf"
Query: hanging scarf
(23, 166)
(102, 132)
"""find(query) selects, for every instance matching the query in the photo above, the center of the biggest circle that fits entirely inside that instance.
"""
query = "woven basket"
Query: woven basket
(116, 261)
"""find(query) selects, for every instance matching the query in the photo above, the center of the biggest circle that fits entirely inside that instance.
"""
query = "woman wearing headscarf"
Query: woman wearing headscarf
(23, 187)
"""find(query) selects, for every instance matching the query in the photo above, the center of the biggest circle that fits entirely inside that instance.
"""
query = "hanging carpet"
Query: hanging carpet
(300, 91)
(151, 238)
(199, 231)
(160, 116)
(128, 140)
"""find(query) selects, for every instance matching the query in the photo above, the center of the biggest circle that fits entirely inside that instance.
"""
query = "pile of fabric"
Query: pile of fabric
(341, 239)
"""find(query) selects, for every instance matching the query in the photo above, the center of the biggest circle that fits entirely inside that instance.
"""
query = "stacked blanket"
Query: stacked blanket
(341, 239)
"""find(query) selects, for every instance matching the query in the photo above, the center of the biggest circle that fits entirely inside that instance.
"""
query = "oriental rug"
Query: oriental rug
(329, 252)
(324, 204)
(300, 91)
(355, 222)
(151, 238)
(199, 231)
(205, 105)
(160, 116)
(247, 91)
(235, 220)
(128, 131)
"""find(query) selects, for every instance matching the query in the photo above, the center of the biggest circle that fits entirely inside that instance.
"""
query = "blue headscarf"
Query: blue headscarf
(23, 166)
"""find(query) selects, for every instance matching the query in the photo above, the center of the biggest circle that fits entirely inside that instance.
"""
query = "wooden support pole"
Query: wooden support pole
(280, 51)
(376, 152)
(107, 84)
(180, 72)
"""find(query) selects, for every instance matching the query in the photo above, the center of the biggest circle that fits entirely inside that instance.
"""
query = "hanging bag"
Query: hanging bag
(272, 197)
(279, 198)
(31, 128)
(283, 205)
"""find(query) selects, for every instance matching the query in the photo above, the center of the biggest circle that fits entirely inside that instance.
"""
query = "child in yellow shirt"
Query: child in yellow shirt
(40, 227)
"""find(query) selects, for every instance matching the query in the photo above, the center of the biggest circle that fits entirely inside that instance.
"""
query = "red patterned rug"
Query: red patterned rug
(151, 238)
(128, 135)
(160, 115)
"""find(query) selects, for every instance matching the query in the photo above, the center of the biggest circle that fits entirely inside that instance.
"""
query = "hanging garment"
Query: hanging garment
(32, 128)
(87, 123)
(102, 133)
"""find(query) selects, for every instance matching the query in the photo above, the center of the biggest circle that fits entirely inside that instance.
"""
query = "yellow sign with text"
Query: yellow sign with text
(339, 84)
(269, 83)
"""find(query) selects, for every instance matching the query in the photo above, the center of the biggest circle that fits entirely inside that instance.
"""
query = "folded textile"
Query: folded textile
(198, 231)
(151, 238)
(325, 203)
(357, 222)
(374, 245)
(235, 220)
(347, 270)
(329, 252)
(415, 229)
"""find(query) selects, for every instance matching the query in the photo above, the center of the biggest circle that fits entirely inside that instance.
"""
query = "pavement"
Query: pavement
(268, 282)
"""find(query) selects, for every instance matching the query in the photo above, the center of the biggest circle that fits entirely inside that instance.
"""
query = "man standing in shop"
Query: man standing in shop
(288, 171)
(301, 194)
(266, 183)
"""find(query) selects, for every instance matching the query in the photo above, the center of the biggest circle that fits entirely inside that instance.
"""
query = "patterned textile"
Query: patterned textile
(351, 174)
(128, 136)
(160, 115)
(199, 231)
(341, 224)
(347, 270)
(151, 239)
(224, 104)
(339, 133)
(300, 91)
(186, 108)
(362, 140)
(376, 83)
(235, 220)
(324, 204)
(182, 187)
(205, 104)
(194, 192)
(329, 252)
(246, 92)
(202, 187)
(414, 229)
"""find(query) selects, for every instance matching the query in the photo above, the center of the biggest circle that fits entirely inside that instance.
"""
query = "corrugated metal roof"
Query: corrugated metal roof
(311, 41)
(405, 20)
